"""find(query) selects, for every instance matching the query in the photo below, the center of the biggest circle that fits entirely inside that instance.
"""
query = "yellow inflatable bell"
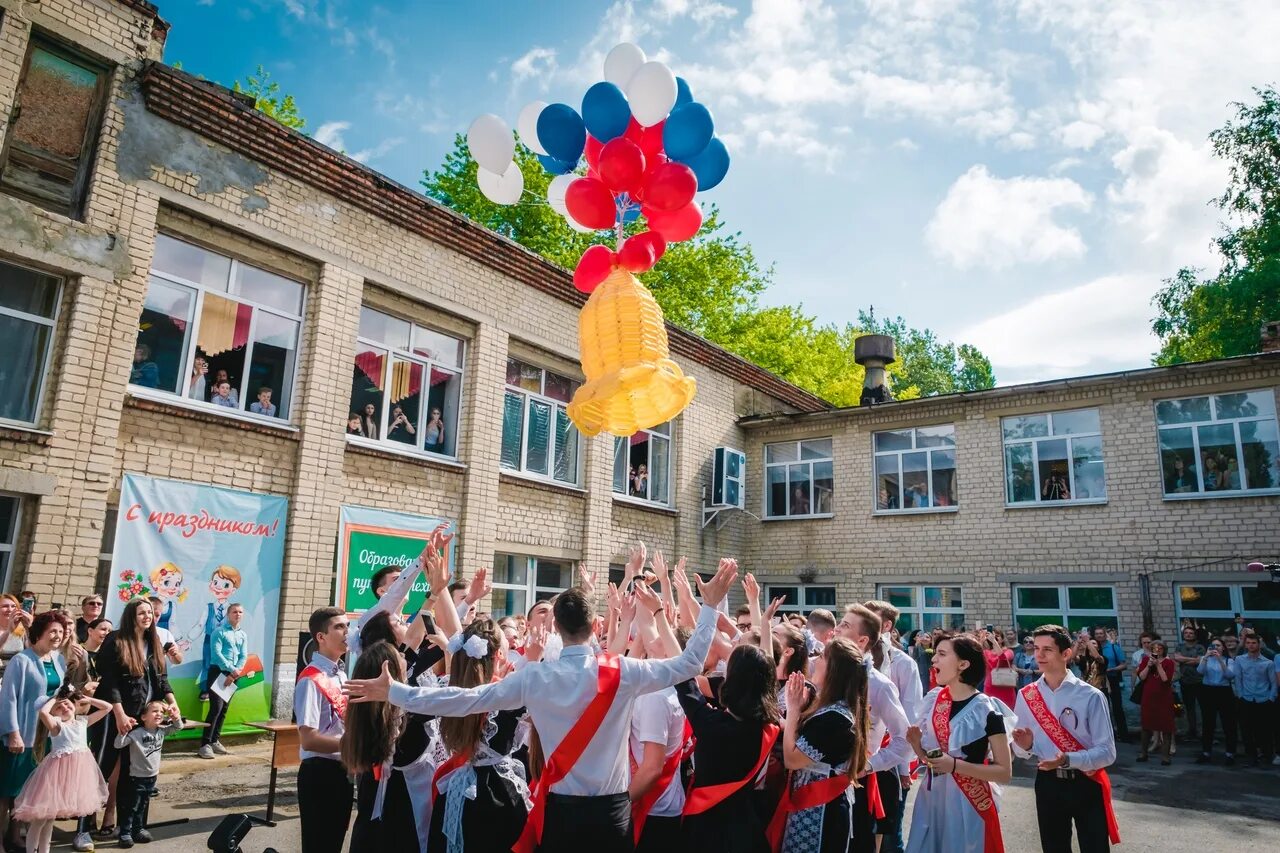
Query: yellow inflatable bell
(632, 383)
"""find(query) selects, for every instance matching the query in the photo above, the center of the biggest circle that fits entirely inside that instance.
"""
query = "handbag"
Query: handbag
(1004, 676)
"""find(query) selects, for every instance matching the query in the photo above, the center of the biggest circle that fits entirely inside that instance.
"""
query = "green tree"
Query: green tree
(1203, 318)
(267, 99)
(710, 285)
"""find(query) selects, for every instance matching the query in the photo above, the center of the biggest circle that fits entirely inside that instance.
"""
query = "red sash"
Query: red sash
(976, 791)
(455, 761)
(875, 805)
(809, 796)
(560, 762)
(328, 689)
(701, 799)
(1066, 742)
(640, 808)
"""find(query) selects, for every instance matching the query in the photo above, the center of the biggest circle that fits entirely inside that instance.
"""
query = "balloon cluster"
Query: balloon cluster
(649, 148)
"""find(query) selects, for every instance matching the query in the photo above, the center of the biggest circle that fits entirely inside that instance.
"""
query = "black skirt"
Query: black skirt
(492, 821)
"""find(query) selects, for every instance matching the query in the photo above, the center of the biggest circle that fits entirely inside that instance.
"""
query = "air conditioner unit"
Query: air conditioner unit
(728, 483)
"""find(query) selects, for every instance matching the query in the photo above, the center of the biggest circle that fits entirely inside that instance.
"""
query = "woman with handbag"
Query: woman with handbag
(1002, 677)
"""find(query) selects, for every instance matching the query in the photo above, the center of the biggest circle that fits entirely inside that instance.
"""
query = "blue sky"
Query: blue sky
(1016, 174)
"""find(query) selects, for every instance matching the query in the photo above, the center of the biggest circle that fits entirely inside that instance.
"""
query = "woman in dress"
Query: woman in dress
(1156, 674)
(963, 739)
(825, 750)
(999, 659)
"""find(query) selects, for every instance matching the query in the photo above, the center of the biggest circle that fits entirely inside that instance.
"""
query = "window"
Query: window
(642, 465)
(106, 555)
(1220, 445)
(925, 607)
(406, 385)
(801, 598)
(915, 469)
(10, 506)
(1215, 606)
(798, 478)
(520, 582)
(217, 332)
(1054, 458)
(53, 128)
(538, 439)
(1072, 606)
(28, 311)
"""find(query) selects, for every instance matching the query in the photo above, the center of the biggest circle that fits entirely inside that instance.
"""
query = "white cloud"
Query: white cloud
(330, 134)
(295, 8)
(1081, 134)
(366, 155)
(537, 62)
(992, 222)
(905, 143)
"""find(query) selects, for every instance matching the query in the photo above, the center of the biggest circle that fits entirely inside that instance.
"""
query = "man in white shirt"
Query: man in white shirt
(589, 808)
(324, 788)
(1069, 731)
(888, 723)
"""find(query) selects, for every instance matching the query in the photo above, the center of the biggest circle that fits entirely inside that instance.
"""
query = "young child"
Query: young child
(67, 782)
(144, 743)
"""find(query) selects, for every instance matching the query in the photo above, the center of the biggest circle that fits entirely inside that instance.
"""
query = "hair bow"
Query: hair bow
(475, 646)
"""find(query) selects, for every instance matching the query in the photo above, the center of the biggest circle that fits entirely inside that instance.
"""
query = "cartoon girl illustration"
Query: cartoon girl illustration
(224, 583)
(166, 583)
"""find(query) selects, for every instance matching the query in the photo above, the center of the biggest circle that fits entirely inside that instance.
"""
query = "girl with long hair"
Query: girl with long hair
(824, 747)
(963, 739)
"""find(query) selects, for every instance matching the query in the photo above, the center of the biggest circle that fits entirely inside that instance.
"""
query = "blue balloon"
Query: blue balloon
(631, 213)
(562, 133)
(554, 166)
(687, 132)
(683, 94)
(711, 165)
(605, 111)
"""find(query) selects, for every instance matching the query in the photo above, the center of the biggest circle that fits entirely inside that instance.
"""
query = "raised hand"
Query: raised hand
(615, 598)
(660, 567)
(628, 609)
(535, 643)
(796, 693)
(480, 586)
(635, 561)
(646, 599)
(714, 591)
(751, 588)
(584, 579)
(772, 609)
(369, 689)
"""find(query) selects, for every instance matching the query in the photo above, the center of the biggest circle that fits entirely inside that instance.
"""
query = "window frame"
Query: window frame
(918, 611)
(625, 496)
(1061, 615)
(190, 346)
(427, 365)
(52, 324)
(928, 451)
(78, 188)
(800, 460)
(557, 406)
(9, 540)
(1035, 442)
(530, 587)
(1193, 426)
(806, 608)
(1236, 592)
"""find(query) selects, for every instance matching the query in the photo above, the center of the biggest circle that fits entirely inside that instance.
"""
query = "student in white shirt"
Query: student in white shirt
(1074, 750)
(589, 808)
(324, 788)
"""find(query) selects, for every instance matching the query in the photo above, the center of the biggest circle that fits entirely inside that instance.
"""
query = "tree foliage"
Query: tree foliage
(711, 285)
(267, 99)
(1203, 318)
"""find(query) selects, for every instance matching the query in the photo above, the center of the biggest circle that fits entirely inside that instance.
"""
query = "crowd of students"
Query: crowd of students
(662, 724)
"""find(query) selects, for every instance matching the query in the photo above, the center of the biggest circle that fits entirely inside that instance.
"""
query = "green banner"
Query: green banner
(372, 539)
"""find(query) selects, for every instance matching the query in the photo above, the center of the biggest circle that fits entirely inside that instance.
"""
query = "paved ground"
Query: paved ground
(1184, 808)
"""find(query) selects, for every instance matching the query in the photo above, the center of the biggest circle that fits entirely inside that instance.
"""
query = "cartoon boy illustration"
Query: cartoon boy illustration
(166, 584)
(222, 586)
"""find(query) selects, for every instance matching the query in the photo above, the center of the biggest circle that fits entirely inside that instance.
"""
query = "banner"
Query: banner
(371, 539)
(201, 549)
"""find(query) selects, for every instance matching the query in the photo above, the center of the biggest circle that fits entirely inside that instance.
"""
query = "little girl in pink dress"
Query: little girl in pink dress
(67, 782)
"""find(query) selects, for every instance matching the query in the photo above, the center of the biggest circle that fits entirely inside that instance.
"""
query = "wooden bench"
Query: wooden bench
(284, 753)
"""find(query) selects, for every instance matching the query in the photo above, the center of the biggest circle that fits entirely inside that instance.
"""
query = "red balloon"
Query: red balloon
(674, 225)
(592, 151)
(638, 254)
(648, 138)
(659, 245)
(590, 203)
(593, 267)
(621, 165)
(670, 186)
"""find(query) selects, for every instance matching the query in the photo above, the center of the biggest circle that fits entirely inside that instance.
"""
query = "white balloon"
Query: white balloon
(651, 93)
(501, 189)
(527, 125)
(622, 63)
(491, 143)
(556, 190)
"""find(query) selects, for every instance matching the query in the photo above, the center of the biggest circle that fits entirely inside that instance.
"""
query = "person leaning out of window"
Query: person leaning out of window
(1217, 701)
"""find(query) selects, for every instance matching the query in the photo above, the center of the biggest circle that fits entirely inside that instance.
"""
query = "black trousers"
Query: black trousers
(1061, 802)
(1256, 724)
(863, 837)
(324, 803)
(599, 824)
(1217, 703)
(660, 835)
(217, 709)
(1190, 704)
(1116, 697)
(134, 794)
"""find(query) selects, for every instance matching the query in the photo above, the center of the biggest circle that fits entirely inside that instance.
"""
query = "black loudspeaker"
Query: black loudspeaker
(306, 648)
(228, 834)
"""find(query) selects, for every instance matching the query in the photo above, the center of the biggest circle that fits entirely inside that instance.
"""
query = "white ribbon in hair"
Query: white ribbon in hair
(476, 646)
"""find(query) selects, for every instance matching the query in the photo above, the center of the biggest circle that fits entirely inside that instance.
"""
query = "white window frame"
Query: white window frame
(9, 540)
(558, 407)
(530, 587)
(802, 607)
(786, 466)
(1193, 426)
(653, 436)
(1062, 614)
(184, 369)
(427, 364)
(1069, 438)
(52, 324)
(1237, 604)
(928, 451)
(919, 610)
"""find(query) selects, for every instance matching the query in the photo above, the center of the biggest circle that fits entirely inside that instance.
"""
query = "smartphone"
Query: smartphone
(933, 753)
(29, 604)
(991, 627)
